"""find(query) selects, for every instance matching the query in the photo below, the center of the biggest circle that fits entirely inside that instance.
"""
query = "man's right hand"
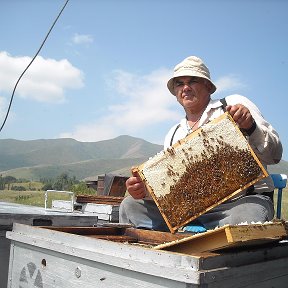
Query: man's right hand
(136, 187)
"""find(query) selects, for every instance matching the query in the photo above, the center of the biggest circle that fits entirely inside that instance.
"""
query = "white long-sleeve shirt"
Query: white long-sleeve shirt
(264, 141)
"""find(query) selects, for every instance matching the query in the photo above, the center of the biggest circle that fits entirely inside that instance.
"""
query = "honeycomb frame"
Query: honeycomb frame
(201, 171)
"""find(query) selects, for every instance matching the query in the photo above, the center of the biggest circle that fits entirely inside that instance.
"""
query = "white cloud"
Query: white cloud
(3, 108)
(228, 83)
(82, 39)
(45, 80)
(144, 101)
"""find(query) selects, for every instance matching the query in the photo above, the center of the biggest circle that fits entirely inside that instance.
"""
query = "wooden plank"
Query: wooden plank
(153, 237)
(122, 234)
(201, 171)
(253, 232)
(89, 230)
(100, 199)
(115, 238)
(227, 237)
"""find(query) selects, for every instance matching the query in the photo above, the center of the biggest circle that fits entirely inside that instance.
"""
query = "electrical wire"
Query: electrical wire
(42, 44)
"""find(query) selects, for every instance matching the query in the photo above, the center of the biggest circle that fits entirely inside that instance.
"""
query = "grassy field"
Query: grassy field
(37, 198)
(33, 198)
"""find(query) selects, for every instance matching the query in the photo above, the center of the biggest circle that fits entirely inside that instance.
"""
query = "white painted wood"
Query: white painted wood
(102, 211)
(102, 263)
(31, 215)
(61, 205)
(16, 213)
(99, 208)
(4, 259)
(126, 256)
(65, 271)
(71, 194)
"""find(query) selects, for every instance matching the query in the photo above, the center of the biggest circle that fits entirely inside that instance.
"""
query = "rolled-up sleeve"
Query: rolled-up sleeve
(264, 141)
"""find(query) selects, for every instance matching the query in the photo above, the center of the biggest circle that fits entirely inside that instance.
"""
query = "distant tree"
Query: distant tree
(47, 186)
(10, 179)
(6, 180)
(48, 183)
(22, 180)
(64, 182)
(81, 188)
(2, 183)
(18, 188)
(45, 180)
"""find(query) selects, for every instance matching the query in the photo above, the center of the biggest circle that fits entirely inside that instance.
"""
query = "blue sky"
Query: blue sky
(103, 70)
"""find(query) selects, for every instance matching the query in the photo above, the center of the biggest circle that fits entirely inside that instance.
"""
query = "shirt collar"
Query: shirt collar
(213, 104)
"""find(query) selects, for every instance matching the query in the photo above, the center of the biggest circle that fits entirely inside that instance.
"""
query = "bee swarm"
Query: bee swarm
(201, 171)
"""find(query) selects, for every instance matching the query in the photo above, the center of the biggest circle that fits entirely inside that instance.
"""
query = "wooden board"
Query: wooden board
(121, 233)
(199, 172)
(227, 237)
(99, 199)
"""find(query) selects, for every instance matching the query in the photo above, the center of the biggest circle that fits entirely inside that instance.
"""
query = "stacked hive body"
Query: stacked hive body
(206, 168)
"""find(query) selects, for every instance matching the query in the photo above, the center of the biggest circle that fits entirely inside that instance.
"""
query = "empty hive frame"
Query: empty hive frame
(199, 172)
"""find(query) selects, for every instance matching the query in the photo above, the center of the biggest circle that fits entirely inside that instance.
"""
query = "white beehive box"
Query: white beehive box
(105, 212)
(47, 258)
(11, 213)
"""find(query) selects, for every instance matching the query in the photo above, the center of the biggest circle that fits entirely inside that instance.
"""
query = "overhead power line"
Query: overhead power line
(42, 44)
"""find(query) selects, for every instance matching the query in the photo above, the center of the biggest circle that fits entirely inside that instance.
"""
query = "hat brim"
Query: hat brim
(170, 83)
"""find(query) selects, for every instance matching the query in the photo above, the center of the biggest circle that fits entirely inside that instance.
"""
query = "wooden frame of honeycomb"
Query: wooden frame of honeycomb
(199, 172)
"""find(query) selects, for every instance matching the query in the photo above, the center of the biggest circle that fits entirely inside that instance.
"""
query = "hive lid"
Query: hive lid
(228, 236)
(208, 167)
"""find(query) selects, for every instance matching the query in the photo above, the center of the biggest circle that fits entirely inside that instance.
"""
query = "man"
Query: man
(192, 87)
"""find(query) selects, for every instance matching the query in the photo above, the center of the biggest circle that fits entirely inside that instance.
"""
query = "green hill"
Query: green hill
(49, 158)
(38, 159)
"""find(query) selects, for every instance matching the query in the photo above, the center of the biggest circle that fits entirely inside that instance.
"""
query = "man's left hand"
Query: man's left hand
(241, 115)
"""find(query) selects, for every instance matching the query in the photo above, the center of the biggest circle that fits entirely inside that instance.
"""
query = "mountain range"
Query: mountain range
(48, 158)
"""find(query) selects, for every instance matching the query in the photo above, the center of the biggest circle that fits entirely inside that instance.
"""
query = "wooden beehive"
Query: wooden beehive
(208, 167)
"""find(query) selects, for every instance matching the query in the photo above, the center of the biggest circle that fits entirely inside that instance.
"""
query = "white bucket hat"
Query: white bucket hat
(190, 66)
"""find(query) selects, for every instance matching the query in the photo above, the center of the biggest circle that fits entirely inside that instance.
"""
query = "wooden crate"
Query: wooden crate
(111, 185)
(208, 167)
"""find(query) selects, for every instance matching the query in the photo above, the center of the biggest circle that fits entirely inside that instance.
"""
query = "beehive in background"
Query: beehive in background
(208, 167)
